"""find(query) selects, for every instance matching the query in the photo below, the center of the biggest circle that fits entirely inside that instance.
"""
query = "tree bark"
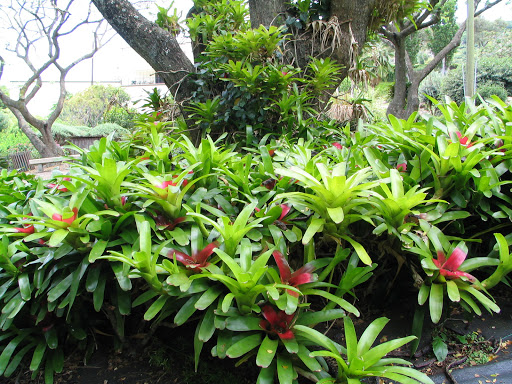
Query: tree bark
(399, 102)
(156, 45)
(406, 99)
(162, 52)
(267, 12)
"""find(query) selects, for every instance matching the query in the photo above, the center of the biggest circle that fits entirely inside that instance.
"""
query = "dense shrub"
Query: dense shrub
(14, 140)
(63, 131)
(489, 89)
(256, 248)
(495, 70)
(431, 86)
(453, 85)
(5, 121)
(89, 106)
(120, 116)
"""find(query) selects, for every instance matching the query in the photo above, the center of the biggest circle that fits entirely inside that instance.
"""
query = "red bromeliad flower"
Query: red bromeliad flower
(165, 186)
(302, 275)
(60, 188)
(163, 221)
(197, 260)
(464, 140)
(183, 183)
(285, 209)
(402, 167)
(28, 229)
(449, 268)
(337, 145)
(277, 322)
(69, 220)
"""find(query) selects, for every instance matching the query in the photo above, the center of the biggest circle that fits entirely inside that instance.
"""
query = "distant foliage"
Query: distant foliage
(493, 74)
(496, 70)
(63, 131)
(13, 140)
(489, 89)
(431, 86)
(121, 116)
(4, 120)
(89, 107)
(443, 32)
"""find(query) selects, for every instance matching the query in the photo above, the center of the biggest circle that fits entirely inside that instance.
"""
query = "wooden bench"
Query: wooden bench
(47, 160)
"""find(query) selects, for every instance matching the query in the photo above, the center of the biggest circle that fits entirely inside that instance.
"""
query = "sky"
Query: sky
(502, 10)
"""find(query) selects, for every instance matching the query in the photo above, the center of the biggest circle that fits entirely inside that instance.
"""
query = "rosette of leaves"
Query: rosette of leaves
(360, 360)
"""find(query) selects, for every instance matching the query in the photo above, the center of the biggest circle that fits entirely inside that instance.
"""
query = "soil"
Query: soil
(168, 358)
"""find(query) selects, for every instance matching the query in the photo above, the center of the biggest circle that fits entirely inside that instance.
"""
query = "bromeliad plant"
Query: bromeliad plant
(448, 275)
(363, 361)
(242, 245)
(336, 201)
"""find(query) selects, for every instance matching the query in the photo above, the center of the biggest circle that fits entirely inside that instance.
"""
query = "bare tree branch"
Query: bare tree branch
(36, 23)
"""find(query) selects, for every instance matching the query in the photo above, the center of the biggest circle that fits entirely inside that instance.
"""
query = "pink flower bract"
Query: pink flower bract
(449, 268)
(302, 275)
(197, 260)
(277, 322)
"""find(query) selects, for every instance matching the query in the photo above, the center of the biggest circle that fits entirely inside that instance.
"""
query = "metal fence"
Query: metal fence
(19, 161)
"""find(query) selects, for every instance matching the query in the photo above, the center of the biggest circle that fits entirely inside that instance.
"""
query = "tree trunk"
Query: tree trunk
(156, 45)
(398, 105)
(267, 12)
(44, 144)
(354, 18)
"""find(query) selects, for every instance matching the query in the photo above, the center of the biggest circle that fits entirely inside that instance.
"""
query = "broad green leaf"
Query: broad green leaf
(8, 351)
(436, 302)
(336, 214)
(291, 345)
(97, 250)
(155, 307)
(52, 339)
(92, 278)
(486, 302)
(266, 352)
(338, 300)
(316, 225)
(244, 345)
(453, 291)
(60, 288)
(310, 362)
(57, 237)
(350, 339)
(25, 287)
(361, 252)
(208, 297)
(313, 318)
(186, 310)
(375, 354)
(440, 349)
(207, 327)
(285, 371)
(370, 335)
(37, 357)
(98, 294)
(423, 293)
(243, 323)
(266, 375)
